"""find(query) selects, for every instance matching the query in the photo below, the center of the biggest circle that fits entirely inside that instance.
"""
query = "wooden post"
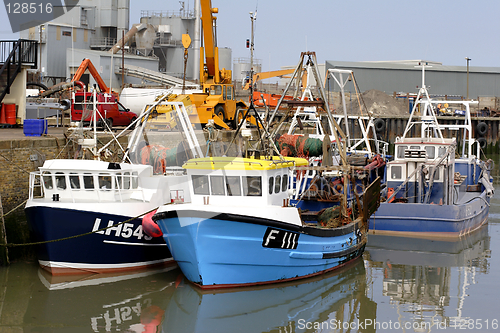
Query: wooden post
(4, 252)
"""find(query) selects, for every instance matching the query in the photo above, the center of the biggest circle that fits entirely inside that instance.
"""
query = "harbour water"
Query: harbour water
(400, 285)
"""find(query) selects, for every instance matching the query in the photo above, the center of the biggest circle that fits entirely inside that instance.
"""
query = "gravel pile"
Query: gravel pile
(377, 102)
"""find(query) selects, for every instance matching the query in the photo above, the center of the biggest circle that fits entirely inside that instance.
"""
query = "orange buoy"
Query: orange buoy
(390, 191)
(10, 113)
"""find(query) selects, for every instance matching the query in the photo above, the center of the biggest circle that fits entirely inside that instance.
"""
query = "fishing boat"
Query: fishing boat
(240, 227)
(89, 215)
(430, 191)
(306, 132)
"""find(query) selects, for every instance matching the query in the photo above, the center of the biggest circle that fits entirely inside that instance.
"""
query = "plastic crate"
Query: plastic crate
(35, 127)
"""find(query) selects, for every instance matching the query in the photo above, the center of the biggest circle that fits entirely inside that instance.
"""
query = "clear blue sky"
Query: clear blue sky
(349, 30)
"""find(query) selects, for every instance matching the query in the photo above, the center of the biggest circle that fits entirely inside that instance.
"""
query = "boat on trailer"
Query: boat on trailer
(430, 191)
(87, 215)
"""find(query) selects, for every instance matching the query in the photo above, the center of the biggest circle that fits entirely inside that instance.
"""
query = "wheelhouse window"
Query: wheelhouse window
(431, 151)
(284, 183)
(126, 180)
(135, 180)
(88, 181)
(252, 186)
(47, 180)
(105, 181)
(271, 185)
(396, 172)
(441, 151)
(401, 151)
(217, 185)
(233, 186)
(60, 181)
(200, 184)
(277, 184)
(118, 181)
(74, 181)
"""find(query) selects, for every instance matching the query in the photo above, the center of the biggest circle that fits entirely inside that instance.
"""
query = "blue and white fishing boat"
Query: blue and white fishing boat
(87, 215)
(310, 132)
(239, 228)
(430, 191)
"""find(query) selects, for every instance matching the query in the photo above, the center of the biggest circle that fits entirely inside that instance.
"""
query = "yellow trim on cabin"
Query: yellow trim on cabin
(241, 163)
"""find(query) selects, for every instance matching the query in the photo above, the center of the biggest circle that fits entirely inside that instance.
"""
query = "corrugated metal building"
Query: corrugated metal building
(404, 77)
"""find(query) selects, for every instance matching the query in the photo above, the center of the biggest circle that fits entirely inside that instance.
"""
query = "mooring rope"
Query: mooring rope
(76, 236)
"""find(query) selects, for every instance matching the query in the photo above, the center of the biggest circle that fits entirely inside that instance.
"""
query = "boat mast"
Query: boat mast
(428, 118)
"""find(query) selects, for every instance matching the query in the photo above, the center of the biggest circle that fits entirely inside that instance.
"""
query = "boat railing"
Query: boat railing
(35, 185)
(115, 187)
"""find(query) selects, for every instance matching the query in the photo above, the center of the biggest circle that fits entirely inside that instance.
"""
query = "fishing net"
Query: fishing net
(158, 157)
(331, 218)
(299, 146)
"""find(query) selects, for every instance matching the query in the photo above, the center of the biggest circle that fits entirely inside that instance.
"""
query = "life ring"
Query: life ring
(482, 142)
(379, 124)
(481, 128)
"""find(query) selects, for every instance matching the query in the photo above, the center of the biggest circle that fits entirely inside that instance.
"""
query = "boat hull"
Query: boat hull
(416, 219)
(230, 250)
(121, 248)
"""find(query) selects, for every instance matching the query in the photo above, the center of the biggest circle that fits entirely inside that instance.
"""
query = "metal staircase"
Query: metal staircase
(14, 55)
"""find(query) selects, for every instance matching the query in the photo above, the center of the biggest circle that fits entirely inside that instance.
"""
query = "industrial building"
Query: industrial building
(406, 76)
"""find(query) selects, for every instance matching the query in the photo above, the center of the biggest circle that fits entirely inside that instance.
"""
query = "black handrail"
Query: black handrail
(13, 55)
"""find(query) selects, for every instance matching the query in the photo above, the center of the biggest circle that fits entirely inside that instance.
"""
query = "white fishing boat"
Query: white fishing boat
(87, 215)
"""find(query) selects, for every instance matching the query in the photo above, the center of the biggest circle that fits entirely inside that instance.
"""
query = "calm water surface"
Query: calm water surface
(400, 285)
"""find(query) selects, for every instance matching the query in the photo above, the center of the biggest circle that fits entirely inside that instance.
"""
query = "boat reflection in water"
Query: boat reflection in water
(132, 302)
(427, 280)
(287, 307)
